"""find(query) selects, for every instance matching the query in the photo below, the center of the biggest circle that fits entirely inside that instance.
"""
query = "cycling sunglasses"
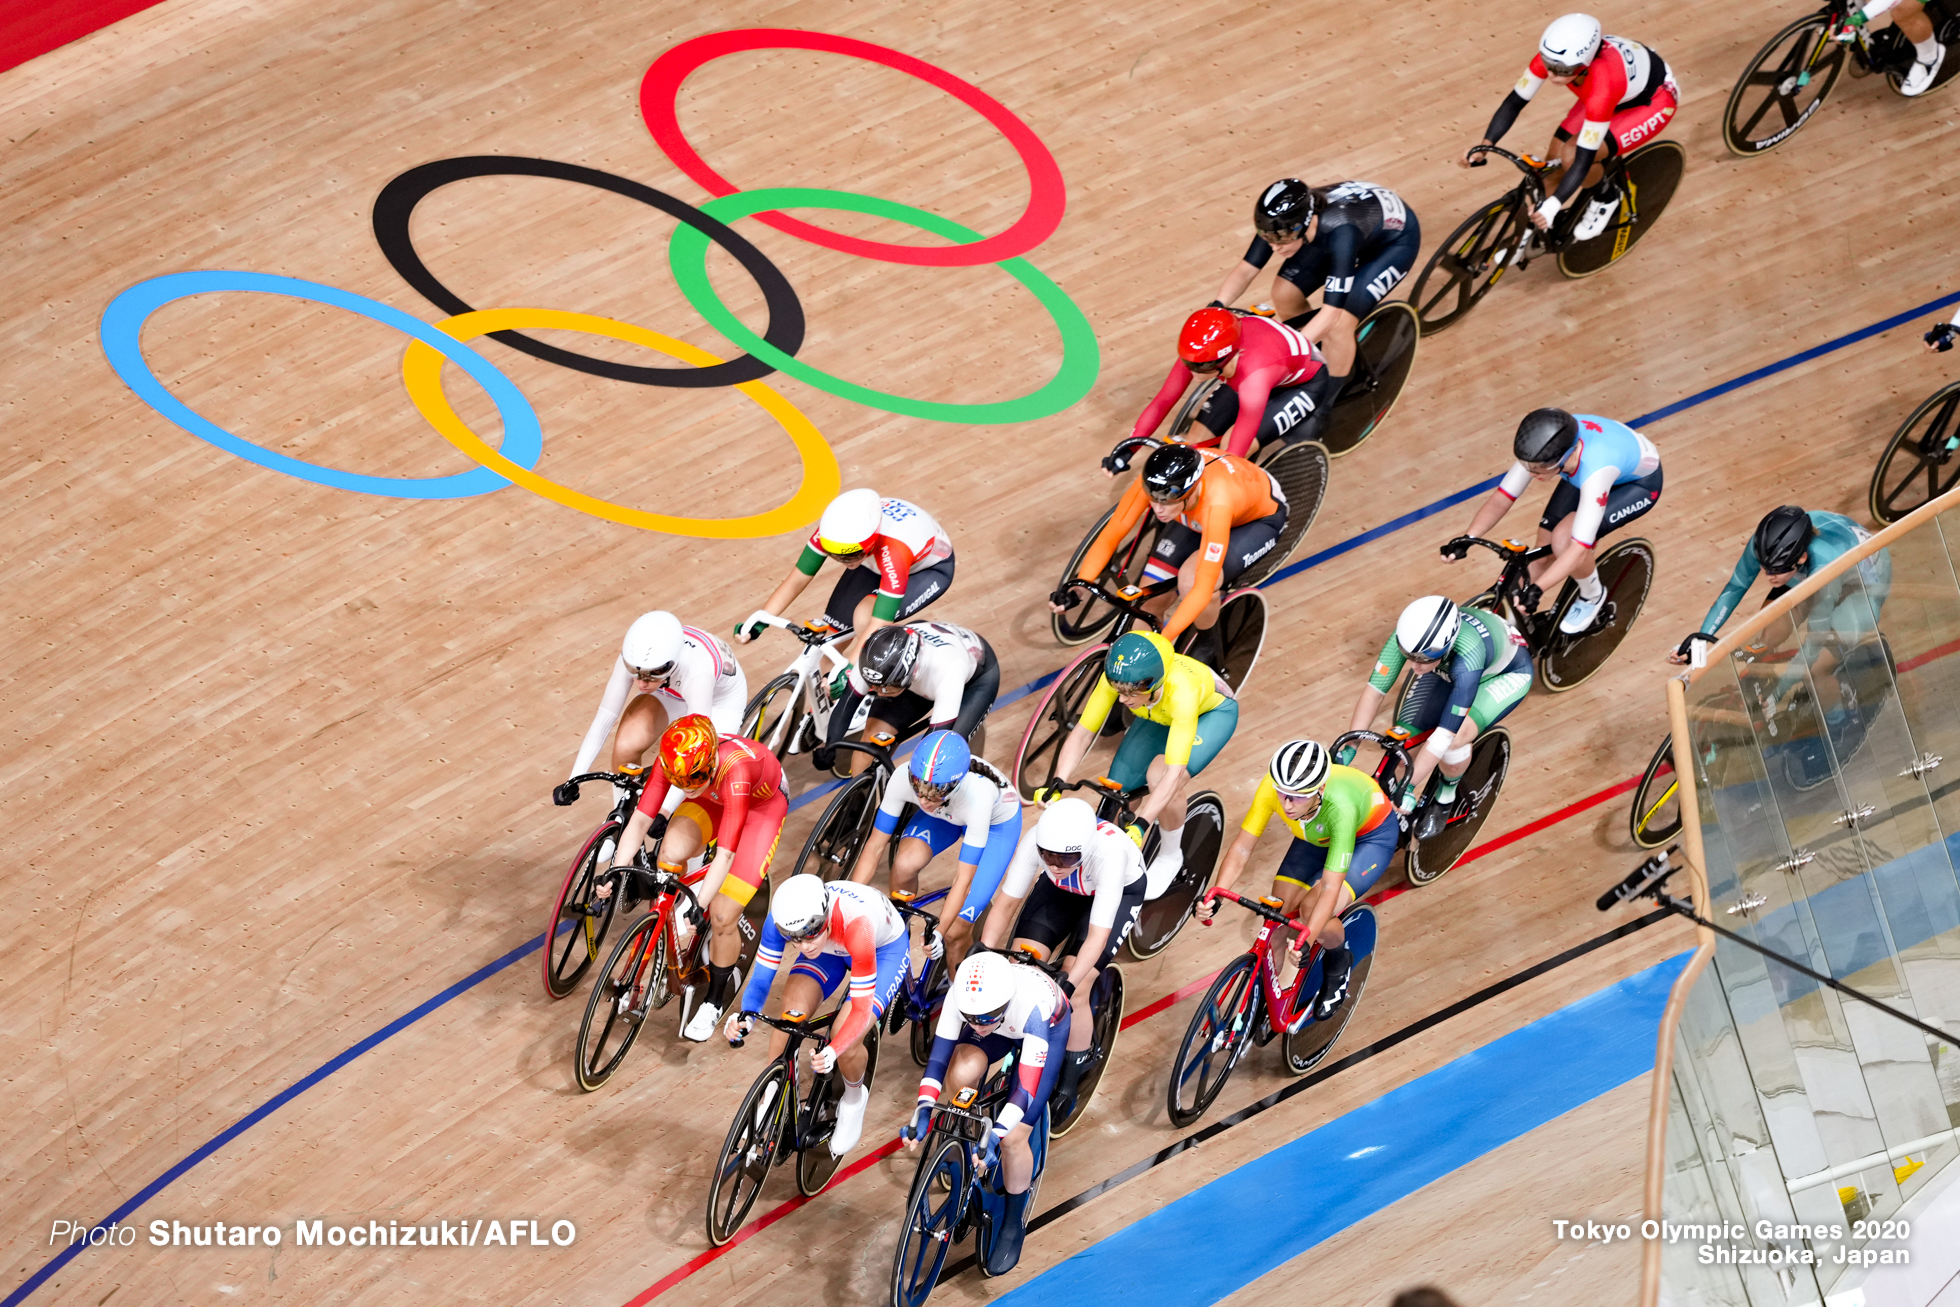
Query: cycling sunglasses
(1206, 369)
(932, 793)
(660, 673)
(1133, 688)
(1060, 861)
(1563, 70)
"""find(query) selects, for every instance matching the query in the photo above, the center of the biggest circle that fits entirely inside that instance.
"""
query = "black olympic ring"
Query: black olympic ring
(397, 201)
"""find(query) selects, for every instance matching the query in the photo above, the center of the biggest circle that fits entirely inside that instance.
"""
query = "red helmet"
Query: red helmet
(1209, 336)
(687, 751)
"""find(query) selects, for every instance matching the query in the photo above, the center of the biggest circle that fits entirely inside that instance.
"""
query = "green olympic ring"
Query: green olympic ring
(687, 254)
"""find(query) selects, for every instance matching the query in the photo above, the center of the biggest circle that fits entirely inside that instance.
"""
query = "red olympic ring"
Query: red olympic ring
(1047, 197)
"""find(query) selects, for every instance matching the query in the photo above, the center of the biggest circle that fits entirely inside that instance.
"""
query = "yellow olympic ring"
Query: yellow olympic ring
(822, 479)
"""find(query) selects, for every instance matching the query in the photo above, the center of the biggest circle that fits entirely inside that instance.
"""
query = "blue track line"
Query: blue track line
(478, 977)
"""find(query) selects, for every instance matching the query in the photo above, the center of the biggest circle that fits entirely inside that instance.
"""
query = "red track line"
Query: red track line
(1168, 1001)
(1920, 660)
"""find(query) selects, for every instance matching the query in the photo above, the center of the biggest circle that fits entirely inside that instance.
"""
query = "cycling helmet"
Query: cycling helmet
(983, 987)
(688, 750)
(1299, 767)
(653, 644)
(890, 654)
(1209, 339)
(1427, 628)
(801, 907)
(1569, 44)
(939, 764)
(1172, 472)
(1133, 663)
(1545, 437)
(1782, 538)
(1283, 209)
(1062, 835)
(849, 523)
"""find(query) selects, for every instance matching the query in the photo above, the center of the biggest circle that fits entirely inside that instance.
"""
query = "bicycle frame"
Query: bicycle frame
(812, 695)
(1278, 1002)
(1534, 626)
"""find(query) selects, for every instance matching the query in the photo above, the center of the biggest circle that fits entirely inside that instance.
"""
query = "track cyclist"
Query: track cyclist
(1221, 515)
(734, 796)
(1625, 95)
(1183, 714)
(960, 798)
(1344, 833)
(1275, 379)
(1471, 670)
(922, 674)
(1608, 475)
(837, 930)
(1354, 241)
(994, 1005)
(1075, 874)
(896, 559)
(665, 671)
(1928, 53)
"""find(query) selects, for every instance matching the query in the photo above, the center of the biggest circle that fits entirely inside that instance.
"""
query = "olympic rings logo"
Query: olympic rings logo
(773, 350)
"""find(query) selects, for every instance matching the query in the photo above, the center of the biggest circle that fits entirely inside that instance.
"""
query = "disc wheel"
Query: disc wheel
(1656, 815)
(814, 1163)
(621, 998)
(1653, 172)
(1091, 619)
(754, 1139)
(1385, 351)
(922, 1029)
(1301, 470)
(1304, 1049)
(1107, 1005)
(1782, 87)
(932, 1212)
(1566, 661)
(1476, 795)
(1918, 464)
(1235, 641)
(837, 838)
(1060, 704)
(576, 929)
(770, 718)
(1187, 409)
(1896, 76)
(1214, 1041)
(1162, 917)
(1468, 264)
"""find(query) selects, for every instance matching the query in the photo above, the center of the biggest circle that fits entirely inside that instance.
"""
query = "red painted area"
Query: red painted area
(30, 28)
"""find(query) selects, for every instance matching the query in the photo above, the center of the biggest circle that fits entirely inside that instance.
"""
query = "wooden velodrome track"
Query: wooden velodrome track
(279, 754)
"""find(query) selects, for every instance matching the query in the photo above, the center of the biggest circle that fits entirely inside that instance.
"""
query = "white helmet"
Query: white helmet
(983, 985)
(1570, 43)
(801, 906)
(653, 643)
(1066, 827)
(1299, 767)
(1427, 628)
(850, 521)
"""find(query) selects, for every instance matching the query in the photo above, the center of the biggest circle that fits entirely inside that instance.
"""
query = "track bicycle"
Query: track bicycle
(1238, 1010)
(788, 1109)
(1796, 70)
(792, 712)
(579, 920)
(1499, 237)
(921, 992)
(1424, 860)
(1385, 351)
(651, 964)
(1300, 469)
(1563, 662)
(1918, 465)
(952, 1196)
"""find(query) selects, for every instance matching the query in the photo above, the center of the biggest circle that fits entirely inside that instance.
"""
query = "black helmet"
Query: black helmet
(1782, 538)
(1171, 471)
(890, 653)
(1545, 436)
(1284, 207)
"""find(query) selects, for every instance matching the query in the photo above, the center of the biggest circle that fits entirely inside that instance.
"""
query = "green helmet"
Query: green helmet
(1134, 661)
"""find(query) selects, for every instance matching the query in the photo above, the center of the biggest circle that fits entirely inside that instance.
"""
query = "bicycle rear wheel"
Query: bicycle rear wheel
(1186, 412)
(1162, 917)
(814, 1163)
(1092, 618)
(771, 716)
(1656, 815)
(1060, 704)
(1468, 264)
(1214, 1041)
(1653, 172)
(1385, 350)
(566, 957)
(1782, 87)
(939, 1193)
(754, 1138)
(1925, 443)
(1304, 1049)
(1566, 661)
(1107, 1005)
(621, 999)
(1476, 795)
(1235, 641)
(835, 841)
(1301, 470)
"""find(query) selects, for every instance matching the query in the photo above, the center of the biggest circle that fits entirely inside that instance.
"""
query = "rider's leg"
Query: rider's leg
(910, 859)
(1289, 301)
(1202, 645)
(639, 730)
(1215, 729)
(802, 994)
(1002, 840)
(1017, 1160)
(1337, 340)
(1913, 24)
(756, 846)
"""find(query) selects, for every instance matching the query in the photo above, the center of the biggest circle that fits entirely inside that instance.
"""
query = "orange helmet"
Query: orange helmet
(687, 751)
(1209, 338)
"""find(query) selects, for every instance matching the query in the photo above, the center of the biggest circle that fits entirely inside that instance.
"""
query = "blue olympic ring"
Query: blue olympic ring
(122, 334)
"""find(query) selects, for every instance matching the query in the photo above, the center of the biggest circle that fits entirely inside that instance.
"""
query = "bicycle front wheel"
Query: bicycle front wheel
(1214, 1041)
(1653, 173)
(583, 922)
(1385, 348)
(921, 1035)
(1567, 661)
(834, 843)
(1091, 619)
(1305, 1048)
(1301, 470)
(1782, 87)
(1162, 917)
(1918, 465)
(932, 1210)
(1476, 794)
(1468, 264)
(621, 999)
(1656, 815)
(770, 718)
(747, 1153)
(1107, 1005)
(1054, 713)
